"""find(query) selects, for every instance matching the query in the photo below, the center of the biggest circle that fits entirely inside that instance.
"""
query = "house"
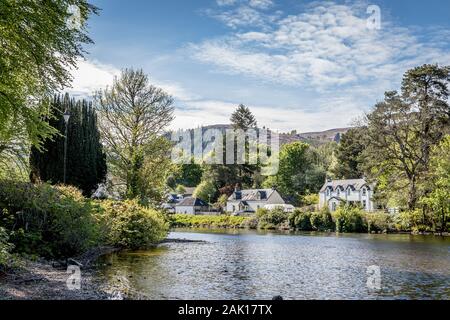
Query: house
(172, 200)
(249, 201)
(353, 191)
(188, 192)
(191, 205)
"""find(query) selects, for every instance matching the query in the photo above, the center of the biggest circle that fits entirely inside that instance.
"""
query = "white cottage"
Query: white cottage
(191, 205)
(249, 201)
(353, 191)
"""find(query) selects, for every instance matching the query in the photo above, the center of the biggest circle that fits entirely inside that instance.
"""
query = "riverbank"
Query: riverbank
(47, 280)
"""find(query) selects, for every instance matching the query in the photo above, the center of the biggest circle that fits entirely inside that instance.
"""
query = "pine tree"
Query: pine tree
(86, 161)
(243, 118)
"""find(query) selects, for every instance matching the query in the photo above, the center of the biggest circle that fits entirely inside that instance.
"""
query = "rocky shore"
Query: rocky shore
(47, 280)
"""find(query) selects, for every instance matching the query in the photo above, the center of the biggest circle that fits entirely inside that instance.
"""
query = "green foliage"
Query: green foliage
(310, 199)
(134, 116)
(300, 220)
(188, 175)
(349, 219)
(86, 161)
(129, 225)
(38, 48)
(48, 221)
(6, 258)
(322, 220)
(206, 191)
(438, 199)
(348, 155)
(243, 118)
(207, 221)
(403, 129)
(271, 219)
(378, 221)
(298, 172)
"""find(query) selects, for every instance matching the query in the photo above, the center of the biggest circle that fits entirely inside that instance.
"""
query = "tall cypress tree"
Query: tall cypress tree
(86, 161)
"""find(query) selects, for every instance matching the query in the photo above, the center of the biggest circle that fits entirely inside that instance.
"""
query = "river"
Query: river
(260, 265)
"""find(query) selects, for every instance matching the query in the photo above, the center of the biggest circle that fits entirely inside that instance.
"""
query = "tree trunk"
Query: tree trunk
(412, 196)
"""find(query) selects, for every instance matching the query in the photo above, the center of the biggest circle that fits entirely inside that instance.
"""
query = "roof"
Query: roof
(192, 202)
(252, 194)
(357, 184)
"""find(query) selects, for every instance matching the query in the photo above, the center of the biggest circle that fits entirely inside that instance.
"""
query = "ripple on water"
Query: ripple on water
(259, 266)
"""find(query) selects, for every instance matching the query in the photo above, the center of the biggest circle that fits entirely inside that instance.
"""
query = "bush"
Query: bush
(322, 220)
(6, 257)
(45, 220)
(271, 219)
(126, 224)
(378, 221)
(300, 220)
(349, 219)
(207, 221)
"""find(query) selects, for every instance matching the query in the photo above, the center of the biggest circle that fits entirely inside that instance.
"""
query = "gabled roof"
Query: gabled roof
(252, 195)
(192, 202)
(357, 184)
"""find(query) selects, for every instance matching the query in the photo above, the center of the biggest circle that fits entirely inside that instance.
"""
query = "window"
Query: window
(364, 204)
(333, 206)
(349, 191)
(328, 191)
(338, 192)
(234, 208)
(364, 192)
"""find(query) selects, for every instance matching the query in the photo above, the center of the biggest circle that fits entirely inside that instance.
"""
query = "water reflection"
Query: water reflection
(260, 265)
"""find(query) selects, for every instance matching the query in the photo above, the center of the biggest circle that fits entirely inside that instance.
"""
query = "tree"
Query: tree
(38, 48)
(86, 161)
(402, 129)
(188, 174)
(243, 118)
(133, 116)
(298, 175)
(348, 155)
(438, 199)
(206, 191)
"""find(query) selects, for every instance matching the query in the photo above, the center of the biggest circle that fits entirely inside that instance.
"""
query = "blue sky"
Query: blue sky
(303, 65)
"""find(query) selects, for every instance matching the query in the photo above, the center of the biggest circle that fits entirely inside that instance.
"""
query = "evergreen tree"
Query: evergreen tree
(348, 155)
(86, 161)
(243, 118)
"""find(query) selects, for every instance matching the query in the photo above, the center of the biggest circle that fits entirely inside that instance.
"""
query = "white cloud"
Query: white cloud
(261, 4)
(91, 76)
(326, 46)
(225, 2)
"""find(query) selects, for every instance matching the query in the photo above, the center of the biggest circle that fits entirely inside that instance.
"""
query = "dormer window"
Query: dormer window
(238, 195)
(349, 191)
(328, 192)
(338, 191)
(364, 192)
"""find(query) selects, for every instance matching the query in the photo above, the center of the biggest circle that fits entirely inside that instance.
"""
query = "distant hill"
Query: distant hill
(313, 138)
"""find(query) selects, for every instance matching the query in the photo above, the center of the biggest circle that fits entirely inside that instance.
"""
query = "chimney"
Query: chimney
(237, 187)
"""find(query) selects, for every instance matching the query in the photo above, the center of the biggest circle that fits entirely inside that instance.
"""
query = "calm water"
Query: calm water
(251, 265)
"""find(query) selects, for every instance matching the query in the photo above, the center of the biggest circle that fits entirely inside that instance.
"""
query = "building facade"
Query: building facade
(249, 201)
(353, 191)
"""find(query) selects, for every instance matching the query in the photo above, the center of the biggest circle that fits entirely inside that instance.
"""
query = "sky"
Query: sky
(298, 65)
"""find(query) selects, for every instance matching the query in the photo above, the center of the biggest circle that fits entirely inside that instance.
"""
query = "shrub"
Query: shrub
(5, 250)
(207, 221)
(271, 219)
(300, 220)
(45, 220)
(349, 219)
(378, 221)
(129, 225)
(322, 220)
